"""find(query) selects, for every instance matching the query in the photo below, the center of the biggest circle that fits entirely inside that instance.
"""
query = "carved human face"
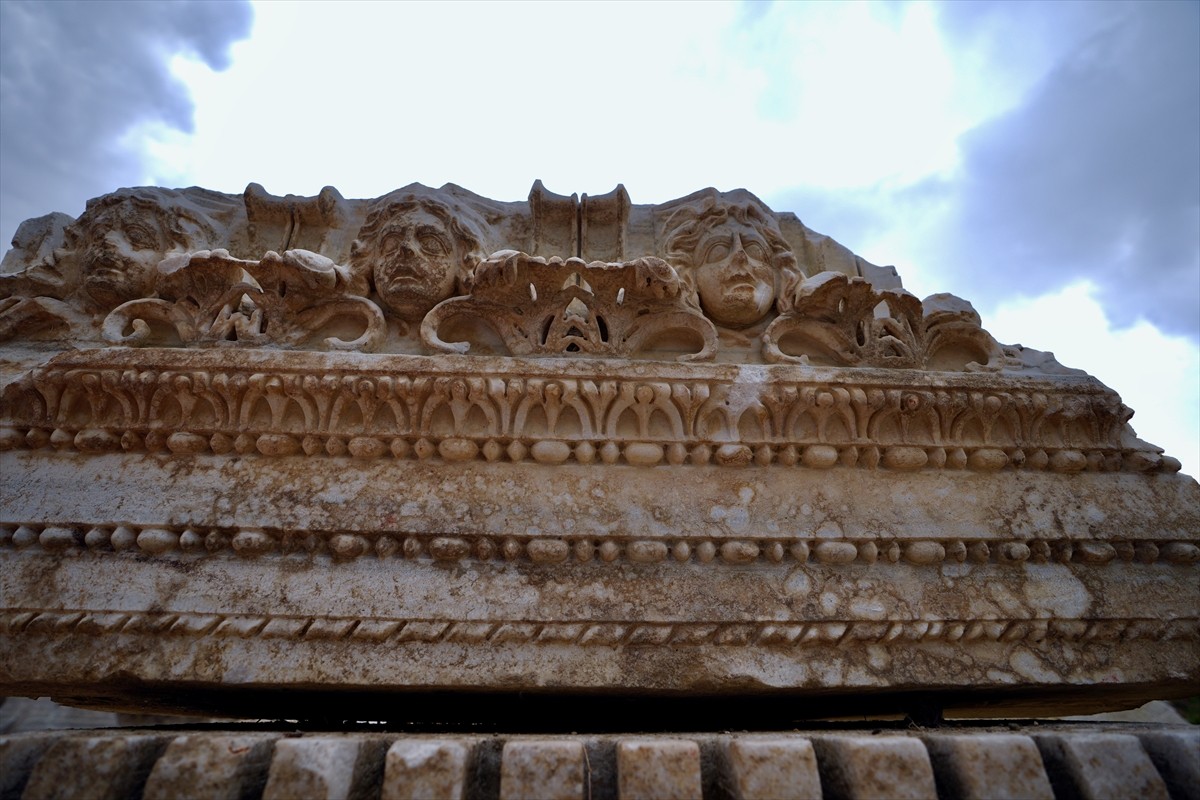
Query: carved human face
(119, 255)
(734, 275)
(416, 264)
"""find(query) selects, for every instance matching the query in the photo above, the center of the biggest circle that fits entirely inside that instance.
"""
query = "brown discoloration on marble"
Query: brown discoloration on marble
(989, 766)
(96, 767)
(417, 768)
(868, 768)
(661, 769)
(549, 769)
(218, 767)
(1100, 765)
(767, 768)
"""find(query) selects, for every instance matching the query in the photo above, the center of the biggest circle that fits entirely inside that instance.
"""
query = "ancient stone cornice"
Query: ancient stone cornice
(455, 408)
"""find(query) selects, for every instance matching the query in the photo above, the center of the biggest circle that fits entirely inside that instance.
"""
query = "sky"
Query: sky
(1041, 160)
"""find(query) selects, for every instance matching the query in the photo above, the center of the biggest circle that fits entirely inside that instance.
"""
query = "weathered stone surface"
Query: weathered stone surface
(18, 756)
(324, 768)
(431, 441)
(1176, 755)
(550, 770)
(658, 769)
(764, 769)
(201, 267)
(1015, 622)
(874, 767)
(219, 767)
(94, 767)
(989, 766)
(1100, 765)
(885, 763)
(416, 769)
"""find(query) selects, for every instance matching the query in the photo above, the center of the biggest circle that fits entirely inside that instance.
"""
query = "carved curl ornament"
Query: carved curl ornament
(212, 298)
(195, 268)
(843, 321)
(713, 276)
(539, 307)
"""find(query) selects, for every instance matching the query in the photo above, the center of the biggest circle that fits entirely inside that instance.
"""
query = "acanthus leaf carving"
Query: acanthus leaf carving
(542, 307)
(210, 297)
(839, 320)
(413, 248)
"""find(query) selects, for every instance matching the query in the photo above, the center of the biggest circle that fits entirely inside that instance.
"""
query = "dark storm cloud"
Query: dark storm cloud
(1094, 174)
(77, 76)
(1097, 175)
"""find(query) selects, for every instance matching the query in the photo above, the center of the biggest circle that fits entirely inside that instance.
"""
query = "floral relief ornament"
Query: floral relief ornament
(210, 297)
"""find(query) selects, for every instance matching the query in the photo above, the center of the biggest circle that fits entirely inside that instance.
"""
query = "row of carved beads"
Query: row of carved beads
(643, 454)
(604, 634)
(549, 550)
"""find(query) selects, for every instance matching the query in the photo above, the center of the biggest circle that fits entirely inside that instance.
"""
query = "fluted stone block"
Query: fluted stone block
(95, 767)
(549, 770)
(989, 766)
(18, 755)
(425, 769)
(222, 767)
(874, 768)
(661, 769)
(1176, 755)
(323, 768)
(1099, 766)
(764, 769)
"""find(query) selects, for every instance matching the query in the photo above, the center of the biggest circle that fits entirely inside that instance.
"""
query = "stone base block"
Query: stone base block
(1043, 761)
(417, 527)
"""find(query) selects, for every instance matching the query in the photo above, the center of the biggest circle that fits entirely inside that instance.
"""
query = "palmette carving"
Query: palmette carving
(842, 321)
(416, 247)
(212, 298)
(555, 307)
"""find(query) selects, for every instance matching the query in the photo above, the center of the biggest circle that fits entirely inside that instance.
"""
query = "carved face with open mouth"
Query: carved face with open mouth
(417, 263)
(734, 276)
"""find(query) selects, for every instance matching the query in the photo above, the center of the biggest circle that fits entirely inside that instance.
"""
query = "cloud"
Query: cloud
(1087, 169)
(78, 78)
(1155, 374)
(1096, 176)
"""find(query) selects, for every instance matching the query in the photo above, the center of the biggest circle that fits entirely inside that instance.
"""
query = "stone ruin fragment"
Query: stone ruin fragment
(271, 456)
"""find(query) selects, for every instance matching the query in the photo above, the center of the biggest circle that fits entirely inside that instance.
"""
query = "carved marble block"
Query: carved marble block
(432, 442)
